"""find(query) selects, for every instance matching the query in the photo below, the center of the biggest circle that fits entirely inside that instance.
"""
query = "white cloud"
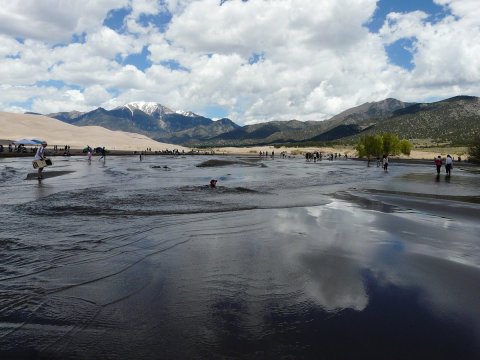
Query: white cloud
(9, 46)
(53, 21)
(304, 45)
(108, 43)
(445, 53)
(145, 7)
(56, 101)
(468, 10)
(96, 94)
(13, 95)
(314, 58)
(402, 25)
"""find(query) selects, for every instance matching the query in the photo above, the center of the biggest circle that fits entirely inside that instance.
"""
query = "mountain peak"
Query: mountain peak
(147, 107)
(186, 113)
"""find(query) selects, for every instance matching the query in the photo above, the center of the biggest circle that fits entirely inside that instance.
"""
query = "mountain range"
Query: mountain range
(455, 120)
(151, 119)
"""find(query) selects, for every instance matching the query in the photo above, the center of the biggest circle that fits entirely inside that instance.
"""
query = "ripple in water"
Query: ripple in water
(136, 262)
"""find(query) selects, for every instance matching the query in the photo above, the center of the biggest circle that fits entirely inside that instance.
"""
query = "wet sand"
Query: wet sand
(222, 162)
(290, 260)
(46, 174)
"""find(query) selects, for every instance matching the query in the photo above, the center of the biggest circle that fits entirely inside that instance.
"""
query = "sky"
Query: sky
(248, 60)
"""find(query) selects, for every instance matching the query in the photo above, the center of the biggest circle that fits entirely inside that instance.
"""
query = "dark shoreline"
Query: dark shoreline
(110, 153)
(79, 152)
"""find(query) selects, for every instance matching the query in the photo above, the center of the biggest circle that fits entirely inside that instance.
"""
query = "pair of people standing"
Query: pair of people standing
(448, 164)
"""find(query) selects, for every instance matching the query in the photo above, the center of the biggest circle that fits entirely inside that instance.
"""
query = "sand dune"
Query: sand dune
(55, 132)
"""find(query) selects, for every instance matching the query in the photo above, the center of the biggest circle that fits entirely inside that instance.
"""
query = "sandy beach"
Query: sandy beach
(416, 154)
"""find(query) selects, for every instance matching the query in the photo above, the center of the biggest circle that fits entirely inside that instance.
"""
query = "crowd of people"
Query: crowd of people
(318, 156)
(20, 148)
(315, 156)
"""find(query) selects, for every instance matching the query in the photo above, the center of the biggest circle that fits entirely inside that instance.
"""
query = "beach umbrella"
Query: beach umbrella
(39, 142)
(25, 142)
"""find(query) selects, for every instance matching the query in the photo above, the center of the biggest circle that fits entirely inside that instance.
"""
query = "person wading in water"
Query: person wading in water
(40, 155)
(438, 164)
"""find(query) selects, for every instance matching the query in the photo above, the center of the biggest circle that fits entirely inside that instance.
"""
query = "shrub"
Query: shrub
(474, 151)
(405, 147)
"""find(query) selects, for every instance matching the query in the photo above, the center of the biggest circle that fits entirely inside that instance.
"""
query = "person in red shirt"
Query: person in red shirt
(438, 164)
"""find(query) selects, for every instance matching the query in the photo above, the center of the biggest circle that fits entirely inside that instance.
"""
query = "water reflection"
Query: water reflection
(134, 262)
(335, 245)
(331, 253)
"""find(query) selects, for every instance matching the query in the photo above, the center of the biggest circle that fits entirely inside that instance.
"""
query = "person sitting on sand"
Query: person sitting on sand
(213, 183)
(448, 165)
(40, 155)
(438, 163)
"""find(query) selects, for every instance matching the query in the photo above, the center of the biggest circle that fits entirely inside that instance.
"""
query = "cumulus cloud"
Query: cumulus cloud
(258, 60)
(302, 45)
(9, 46)
(444, 52)
(49, 21)
(108, 43)
(468, 10)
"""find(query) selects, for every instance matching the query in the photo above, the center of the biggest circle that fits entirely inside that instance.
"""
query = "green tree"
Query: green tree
(391, 144)
(370, 145)
(377, 145)
(385, 144)
(474, 151)
(405, 146)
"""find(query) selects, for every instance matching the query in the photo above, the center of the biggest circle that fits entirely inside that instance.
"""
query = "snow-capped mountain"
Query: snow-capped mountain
(186, 113)
(446, 120)
(152, 119)
(147, 107)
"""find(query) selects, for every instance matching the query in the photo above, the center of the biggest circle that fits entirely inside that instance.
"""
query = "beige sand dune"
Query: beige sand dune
(424, 154)
(288, 150)
(55, 132)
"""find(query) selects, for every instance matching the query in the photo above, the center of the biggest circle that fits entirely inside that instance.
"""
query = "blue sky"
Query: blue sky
(399, 53)
(384, 7)
(251, 60)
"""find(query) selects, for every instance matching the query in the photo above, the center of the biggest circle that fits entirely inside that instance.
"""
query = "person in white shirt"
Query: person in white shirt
(448, 164)
(385, 163)
(40, 155)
